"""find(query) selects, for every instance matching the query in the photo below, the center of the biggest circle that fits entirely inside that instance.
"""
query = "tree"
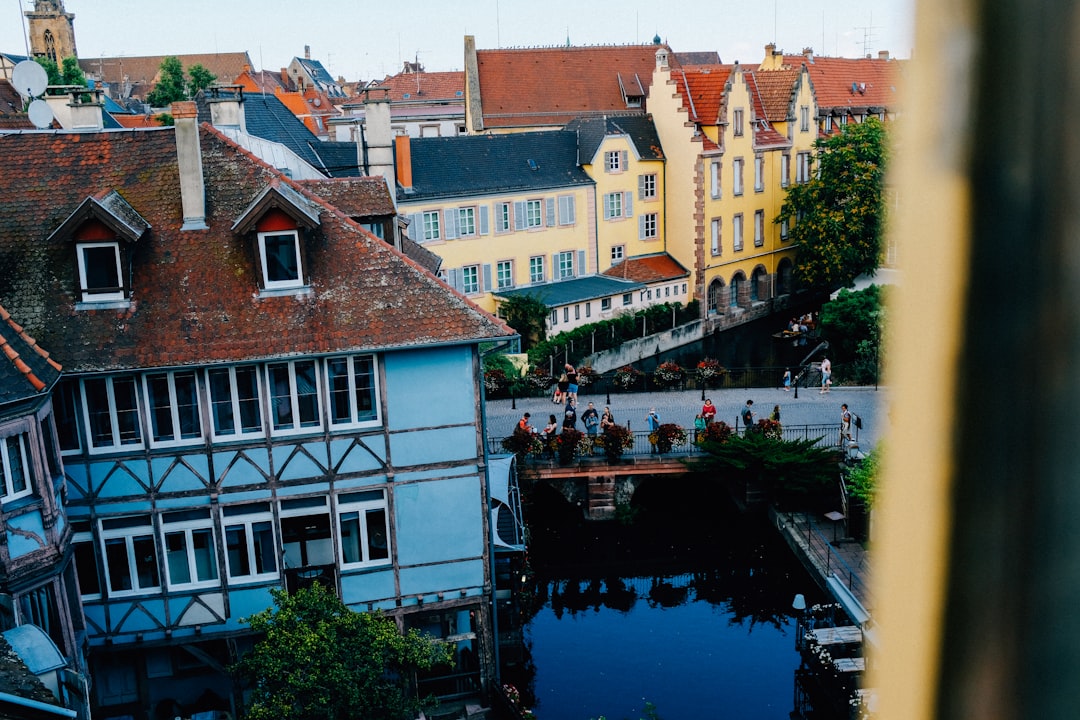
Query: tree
(319, 660)
(199, 78)
(170, 86)
(837, 218)
(528, 315)
(853, 323)
(68, 74)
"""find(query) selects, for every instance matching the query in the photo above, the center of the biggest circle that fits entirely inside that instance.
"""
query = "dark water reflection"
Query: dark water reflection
(688, 608)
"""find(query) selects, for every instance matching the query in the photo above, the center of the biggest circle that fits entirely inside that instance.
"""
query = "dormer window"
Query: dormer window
(100, 274)
(279, 254)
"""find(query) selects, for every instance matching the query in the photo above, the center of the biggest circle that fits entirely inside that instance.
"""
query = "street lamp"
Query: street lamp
(799, 606)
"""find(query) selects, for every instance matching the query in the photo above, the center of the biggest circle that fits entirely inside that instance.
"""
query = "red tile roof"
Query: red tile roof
(648, 269)
(551, 86)
(137, 121)
(775, 88)
(142, 71)
(25, 368)
(195, 297)
(702, 89)
(426, 87)
(874, 81)
(356, 197)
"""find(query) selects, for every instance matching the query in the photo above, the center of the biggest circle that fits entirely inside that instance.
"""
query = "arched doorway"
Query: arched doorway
(716, 296)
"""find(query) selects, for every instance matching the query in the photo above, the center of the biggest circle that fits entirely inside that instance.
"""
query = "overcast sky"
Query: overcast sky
(363, 39)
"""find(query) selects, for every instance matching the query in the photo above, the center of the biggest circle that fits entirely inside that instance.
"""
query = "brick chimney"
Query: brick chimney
(404, 162)
(376, 151)
(189, 161)
(226, 107)
(883, 55)
(307, 52)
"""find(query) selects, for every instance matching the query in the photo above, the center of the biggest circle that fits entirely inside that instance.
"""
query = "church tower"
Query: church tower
(52, 31)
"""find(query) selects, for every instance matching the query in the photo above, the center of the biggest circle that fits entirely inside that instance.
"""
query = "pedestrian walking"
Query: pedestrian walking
(708, 411)
(787, 379)
(826, 375)
(845, 424)
(747, 416)
(653, 421)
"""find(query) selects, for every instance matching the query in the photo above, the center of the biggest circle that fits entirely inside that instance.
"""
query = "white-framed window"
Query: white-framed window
(802, 167)
(737, 122)
(364, 528)
(618, 252)
(566, 264)
(190, 555)
(86, 560)
(785, 170)
(172, 399)
(67, 409)
(615, 161)
(554, 317)
(736, 232)
(714, 178)
(470, 279)
(646, 186)
(100, 275)
(503, 215)
(294, 396)
(466, 222)
(504, 274)
(567, 210)
(759, 173)
(14, 468)
(528, 214)
(843, 119)
(628, 299)
(804, 118)
(618, 205)
(130, 555)
(305, 532)
(577, 312)
(235, 402)
(536, 269)
(759, 228)
(250, 549)
(784, 226)
(648, 226)
(605, 304)
(279, 253)
(828, 124)
(432, 227)
(566, 314)
(111, 413)
(737, 177)
(588, 309)
(352, 390)
(715, 236)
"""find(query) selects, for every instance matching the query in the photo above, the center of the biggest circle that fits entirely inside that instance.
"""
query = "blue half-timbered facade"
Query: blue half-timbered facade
(257, 393)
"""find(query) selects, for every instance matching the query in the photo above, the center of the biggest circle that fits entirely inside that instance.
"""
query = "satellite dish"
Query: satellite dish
(40, 114)
(29, 78)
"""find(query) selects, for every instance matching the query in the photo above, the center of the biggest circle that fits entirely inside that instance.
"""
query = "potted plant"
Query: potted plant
(616, 440)
(567, 443)
(667, 436)
(522, 443)
(668, 374)
(717, 432)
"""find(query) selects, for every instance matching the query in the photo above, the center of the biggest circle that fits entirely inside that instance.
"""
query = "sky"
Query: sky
(365, 40)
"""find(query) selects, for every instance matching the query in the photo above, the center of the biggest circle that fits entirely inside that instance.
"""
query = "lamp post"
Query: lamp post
(799, 606)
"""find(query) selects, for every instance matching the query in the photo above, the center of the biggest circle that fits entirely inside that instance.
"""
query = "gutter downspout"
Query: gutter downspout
(36, 705)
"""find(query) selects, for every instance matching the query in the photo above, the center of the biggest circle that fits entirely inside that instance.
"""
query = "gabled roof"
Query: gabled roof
(319, 75)
(359, 197)
(535, 87)
(26, 370)
(195, 298)
(776, 88)
(446, 167)
(11, 113)
(142, 71)
(590, 287)
(112, 210)
(702, 90)
(423, 87)
(639, 130)
(657, 267)
(278, 196)
(849, 83)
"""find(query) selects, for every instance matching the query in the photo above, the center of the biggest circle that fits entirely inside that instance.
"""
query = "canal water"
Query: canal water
(686, 605)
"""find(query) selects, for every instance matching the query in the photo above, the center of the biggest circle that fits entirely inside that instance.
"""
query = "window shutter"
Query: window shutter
(556, 271)
(580, 269)
(519, 215)
(549, 211)
(487, 278)
(453, 278)
(483, 219)
(607, 208)
(571, 205)
(416, 227)
(628, 198)
(450, 216)
(640, 187)
(622, 160)
(641, 227)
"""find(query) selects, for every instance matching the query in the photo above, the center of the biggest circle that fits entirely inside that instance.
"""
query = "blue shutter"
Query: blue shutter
(453, 278)
(549, 211)
(641, 227)
(483, 219)
(487, 278)
(416, 227)
(450, 216)
(519, 215)
(607, 207)
(580, 269)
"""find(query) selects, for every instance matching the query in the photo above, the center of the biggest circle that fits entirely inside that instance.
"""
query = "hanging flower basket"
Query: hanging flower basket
(669, 375)
(709, 369)
(495, 380)
(627, 377)
(538, 379)
(586, 376)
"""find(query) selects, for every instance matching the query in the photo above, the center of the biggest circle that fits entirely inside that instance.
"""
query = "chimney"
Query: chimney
(189, 161)
(79, 110)
(808, 53)
(226, 107)
(307, 52)
(662, 58)
(883, 55)
(474, 108)
(403, 145)
(377, 149)
(773, 60)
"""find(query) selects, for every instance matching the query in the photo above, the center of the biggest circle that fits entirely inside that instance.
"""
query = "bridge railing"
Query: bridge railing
(827, 435)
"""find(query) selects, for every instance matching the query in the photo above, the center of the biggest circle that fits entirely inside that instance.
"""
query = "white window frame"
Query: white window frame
(647, 186)
(613, 205)
(14, 447)
(364, 504)
(736, 232)
(88, 294)
(715, 174)
(176, 437)
(118, 439)
(737, 123)
(296, 426)
(785, 170)
(566, 264)
(432, 225)
(133, 529)
(536, 269)
(650, 226)
(234, 402)
(628, 299)
(245, 518)
(605, 304)
(612, 162)
(784, 228)
(759, 228)
(269, 284)
(802, 168)
(534, 214)
(737, 177)
(716, 227)
(567, 210)
(470, 286)
(759, 173)
(186, 529)
(466, 224)
(504, 274)
(504, 217)
(355, 369)
(618, 252)
(804, 118)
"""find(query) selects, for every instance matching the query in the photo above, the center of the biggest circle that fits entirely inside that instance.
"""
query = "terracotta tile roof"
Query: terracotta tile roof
(775, 87)
(874, 80)
(657, 267)
(195, 297)
(356, 197)
(550, 86)
(424, 87)
(26, 370)
(702, 88)
(137, 121)
(142, 71)
(11, 103)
